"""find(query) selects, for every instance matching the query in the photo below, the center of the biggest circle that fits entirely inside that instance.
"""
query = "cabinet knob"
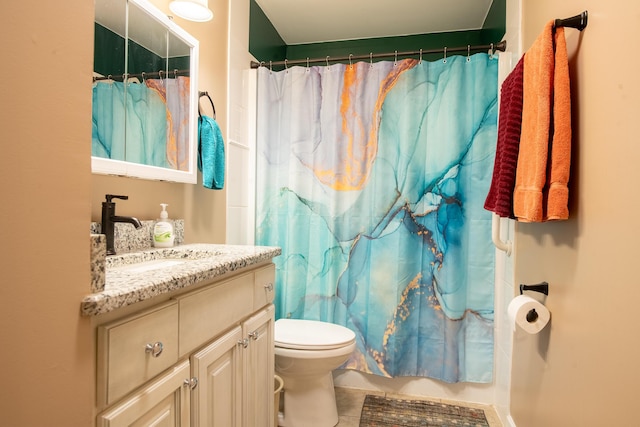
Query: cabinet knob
(269, 287)
(191, 382)
(253, 335)
(155, 349)
(243, 342)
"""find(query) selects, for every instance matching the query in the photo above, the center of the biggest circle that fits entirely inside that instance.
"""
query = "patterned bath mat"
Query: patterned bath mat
(379, 411)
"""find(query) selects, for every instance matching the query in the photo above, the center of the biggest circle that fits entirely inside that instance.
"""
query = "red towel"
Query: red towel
(500, 197)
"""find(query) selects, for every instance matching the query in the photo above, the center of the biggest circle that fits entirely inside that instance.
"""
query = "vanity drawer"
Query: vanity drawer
(205, 314)
(135, 349)
(264, 288)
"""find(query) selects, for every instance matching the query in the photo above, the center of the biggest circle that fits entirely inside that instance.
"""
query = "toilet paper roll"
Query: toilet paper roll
(527, 313)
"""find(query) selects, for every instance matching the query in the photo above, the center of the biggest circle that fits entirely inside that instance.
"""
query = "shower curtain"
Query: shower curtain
(372, 179)
(142, 123)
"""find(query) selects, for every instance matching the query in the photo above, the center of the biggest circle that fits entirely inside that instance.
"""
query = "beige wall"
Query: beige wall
(49, 197)
(584, 369)
(204, 210)
(45, 348)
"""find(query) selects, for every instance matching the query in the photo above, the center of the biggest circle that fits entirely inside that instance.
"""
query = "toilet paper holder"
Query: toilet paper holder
(542, 287)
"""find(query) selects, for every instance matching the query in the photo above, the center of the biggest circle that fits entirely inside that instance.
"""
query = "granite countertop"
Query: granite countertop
(183, 266)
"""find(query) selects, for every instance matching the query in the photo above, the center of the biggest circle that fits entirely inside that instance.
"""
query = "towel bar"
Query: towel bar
(579, 22)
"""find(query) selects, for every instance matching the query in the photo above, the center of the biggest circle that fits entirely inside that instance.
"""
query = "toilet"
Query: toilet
(306, 353)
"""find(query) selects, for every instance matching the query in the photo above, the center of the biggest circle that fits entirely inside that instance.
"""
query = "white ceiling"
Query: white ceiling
(310, 21)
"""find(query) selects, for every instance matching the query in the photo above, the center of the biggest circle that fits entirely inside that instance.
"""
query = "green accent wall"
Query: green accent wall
(386, 45)
(110, 60)
(109, 49)
(266, 44)
(495, 23)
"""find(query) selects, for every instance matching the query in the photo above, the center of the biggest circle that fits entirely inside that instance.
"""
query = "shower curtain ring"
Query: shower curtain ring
(285, 66)
(395, 61)
(468, 53)
(144, 79)
(270, 66)
(307, 63)
(350, 63)
(444, 60)
(491, 51)
(420, 62)
(175, 73)
(327, 59)
(371, 59)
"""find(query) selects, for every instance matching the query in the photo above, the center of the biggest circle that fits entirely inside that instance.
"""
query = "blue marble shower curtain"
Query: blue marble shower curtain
(144, 123)
(372, 179)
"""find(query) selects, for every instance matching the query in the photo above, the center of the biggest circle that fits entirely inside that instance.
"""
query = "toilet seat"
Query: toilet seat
(311, 335)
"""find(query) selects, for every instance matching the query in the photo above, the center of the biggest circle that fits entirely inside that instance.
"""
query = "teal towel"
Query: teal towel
(210, 153)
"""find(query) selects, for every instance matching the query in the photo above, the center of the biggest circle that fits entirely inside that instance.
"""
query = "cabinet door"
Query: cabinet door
(163, 403)
(258, 366)
(216, 401)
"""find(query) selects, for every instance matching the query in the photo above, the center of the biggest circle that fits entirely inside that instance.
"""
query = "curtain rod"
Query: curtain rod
(501, 46)
(153, 74)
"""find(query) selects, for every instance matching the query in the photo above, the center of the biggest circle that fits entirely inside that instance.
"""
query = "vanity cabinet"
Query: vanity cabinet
(200, 358)
(232, 373)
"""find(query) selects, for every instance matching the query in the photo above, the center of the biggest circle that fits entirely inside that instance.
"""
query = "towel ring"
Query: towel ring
(201, 94)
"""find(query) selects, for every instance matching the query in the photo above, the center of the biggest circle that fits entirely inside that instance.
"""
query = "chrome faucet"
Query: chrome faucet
(109, 218)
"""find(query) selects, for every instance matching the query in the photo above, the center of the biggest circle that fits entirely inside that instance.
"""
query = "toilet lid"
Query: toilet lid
(311, 334)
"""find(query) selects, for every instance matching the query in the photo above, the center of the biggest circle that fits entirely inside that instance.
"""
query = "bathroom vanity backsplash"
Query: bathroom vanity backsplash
(98, 250)
(128, 239)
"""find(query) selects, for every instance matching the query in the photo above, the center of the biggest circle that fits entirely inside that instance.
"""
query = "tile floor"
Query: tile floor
(350, 402)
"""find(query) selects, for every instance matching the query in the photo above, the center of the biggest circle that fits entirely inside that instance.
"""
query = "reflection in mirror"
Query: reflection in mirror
(144, 93)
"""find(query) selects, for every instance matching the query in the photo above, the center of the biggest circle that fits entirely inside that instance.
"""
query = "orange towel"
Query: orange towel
(558, 179)
(542, 175)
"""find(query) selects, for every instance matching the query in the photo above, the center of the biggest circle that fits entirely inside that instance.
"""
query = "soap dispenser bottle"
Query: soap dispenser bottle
(163, 236)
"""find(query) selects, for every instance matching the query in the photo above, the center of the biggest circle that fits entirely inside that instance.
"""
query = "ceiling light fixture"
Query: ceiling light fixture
(193, 10)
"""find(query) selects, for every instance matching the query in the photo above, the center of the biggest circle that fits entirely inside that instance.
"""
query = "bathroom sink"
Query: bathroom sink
(143, 267)
(153, 259)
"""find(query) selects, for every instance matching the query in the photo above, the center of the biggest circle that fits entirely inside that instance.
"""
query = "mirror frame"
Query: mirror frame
(104, 166)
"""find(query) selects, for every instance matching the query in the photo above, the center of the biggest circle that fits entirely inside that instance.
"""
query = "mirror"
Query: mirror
(144, 94)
